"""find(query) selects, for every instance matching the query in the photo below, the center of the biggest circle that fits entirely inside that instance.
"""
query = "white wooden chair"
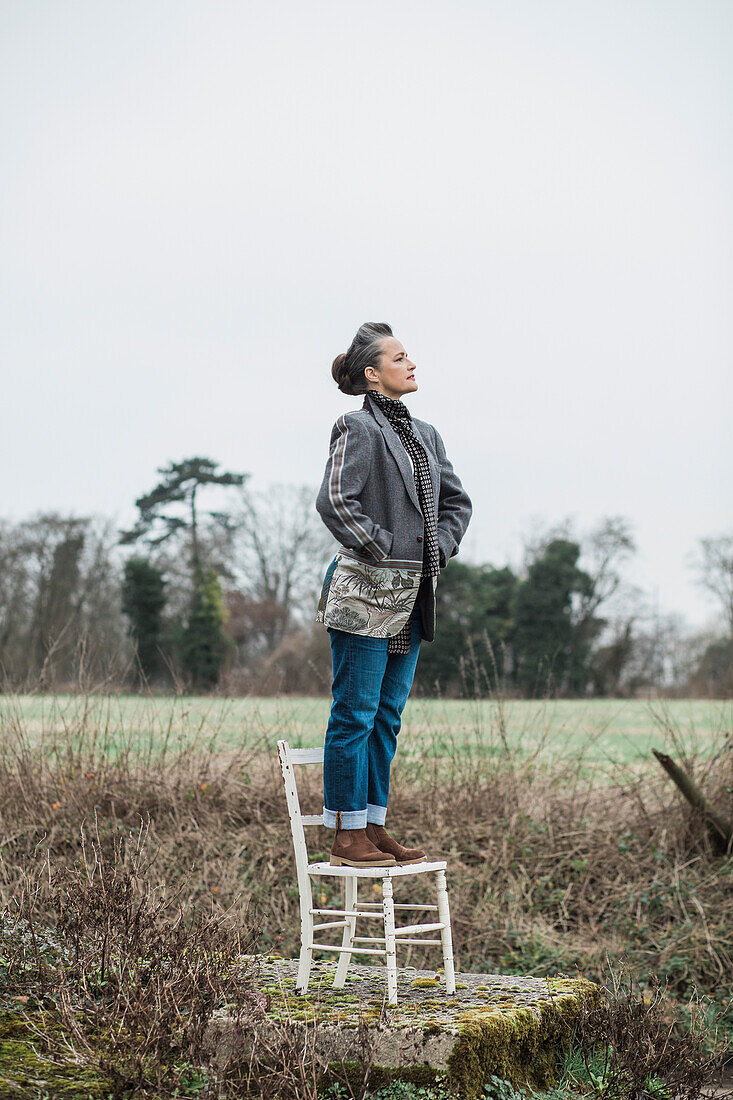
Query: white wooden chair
(354, 909)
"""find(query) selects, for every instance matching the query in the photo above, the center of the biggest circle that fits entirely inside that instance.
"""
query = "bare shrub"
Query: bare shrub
(627, 1040)
(131, 977)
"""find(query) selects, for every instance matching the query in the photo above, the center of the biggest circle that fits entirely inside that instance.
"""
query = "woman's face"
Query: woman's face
(394, 374)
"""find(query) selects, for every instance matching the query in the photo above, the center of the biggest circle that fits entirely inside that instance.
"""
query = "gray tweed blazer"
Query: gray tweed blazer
(369, 503)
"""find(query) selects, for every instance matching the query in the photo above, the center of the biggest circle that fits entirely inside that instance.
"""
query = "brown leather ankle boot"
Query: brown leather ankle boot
(352, 848)
(381, 839)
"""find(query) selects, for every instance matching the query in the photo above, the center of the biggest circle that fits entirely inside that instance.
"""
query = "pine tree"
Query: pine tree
(143, 601)
(548, 653)
(204, 645)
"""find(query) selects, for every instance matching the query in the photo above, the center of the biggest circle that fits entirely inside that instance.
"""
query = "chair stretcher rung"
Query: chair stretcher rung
(414, 929)
(397, 905)
(343, 913)
(405, 939)
(408, 930)
(401, 939)
(351, 950)
(331, 924)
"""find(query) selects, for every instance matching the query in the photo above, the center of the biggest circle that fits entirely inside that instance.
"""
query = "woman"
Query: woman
(391, 499)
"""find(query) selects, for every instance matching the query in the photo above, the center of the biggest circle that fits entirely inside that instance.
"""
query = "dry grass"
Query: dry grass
(548, 871)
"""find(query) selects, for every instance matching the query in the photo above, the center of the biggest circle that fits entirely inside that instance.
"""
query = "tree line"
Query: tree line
(214, 587)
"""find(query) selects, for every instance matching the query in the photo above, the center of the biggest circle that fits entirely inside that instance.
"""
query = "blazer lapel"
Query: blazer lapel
(399, 453)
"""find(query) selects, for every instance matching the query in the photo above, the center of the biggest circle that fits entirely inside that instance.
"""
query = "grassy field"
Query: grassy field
(602, 731)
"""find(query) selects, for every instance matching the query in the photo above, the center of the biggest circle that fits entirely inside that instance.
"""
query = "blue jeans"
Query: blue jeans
(370, 690)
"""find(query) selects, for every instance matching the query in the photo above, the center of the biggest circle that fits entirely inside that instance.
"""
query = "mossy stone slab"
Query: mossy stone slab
(26, 1071)
(514, 1027)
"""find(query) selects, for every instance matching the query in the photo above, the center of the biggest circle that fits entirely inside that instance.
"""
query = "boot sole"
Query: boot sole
(406, 862)
(341, 861)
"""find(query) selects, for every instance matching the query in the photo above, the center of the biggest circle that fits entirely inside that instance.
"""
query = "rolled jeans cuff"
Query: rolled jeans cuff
(376, 815)
(350, 819)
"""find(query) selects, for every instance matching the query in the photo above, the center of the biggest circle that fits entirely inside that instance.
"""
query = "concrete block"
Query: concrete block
(513, 1027)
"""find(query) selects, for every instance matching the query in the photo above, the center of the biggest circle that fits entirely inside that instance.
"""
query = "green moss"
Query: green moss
(29, 1071)
(424, 983)
(520, 1045)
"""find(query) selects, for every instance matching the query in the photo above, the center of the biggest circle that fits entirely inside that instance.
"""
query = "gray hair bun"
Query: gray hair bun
(348, 368)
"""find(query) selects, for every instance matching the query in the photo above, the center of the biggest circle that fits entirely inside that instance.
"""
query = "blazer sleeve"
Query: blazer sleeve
(454, 506)
(338, 503)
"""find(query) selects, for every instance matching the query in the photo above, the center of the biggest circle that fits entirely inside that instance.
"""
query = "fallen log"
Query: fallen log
(719, 829)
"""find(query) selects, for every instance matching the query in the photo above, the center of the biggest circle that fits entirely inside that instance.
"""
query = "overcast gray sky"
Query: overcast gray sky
(201, 201)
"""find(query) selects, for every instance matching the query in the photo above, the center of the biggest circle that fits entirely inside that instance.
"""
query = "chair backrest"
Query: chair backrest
(288, 758)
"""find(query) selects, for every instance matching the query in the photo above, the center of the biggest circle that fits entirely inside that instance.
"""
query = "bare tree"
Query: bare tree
(604, 549)
(713, 564)
(59, 600)
(281, 549)
(109, 649)
(663, 656)
(16, 594)
(53, 547)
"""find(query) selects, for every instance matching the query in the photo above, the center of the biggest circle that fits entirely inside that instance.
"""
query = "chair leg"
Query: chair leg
(350, 886)
(445, 935)
(389, 937)
(306, 951)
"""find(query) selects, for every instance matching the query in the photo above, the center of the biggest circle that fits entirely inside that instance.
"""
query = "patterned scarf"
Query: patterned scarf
(400, 419)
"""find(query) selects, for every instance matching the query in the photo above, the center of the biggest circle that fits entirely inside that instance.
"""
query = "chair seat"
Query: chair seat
(375, 872)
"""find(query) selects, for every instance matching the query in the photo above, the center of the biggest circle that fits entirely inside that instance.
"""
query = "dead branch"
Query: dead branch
(719, 829)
